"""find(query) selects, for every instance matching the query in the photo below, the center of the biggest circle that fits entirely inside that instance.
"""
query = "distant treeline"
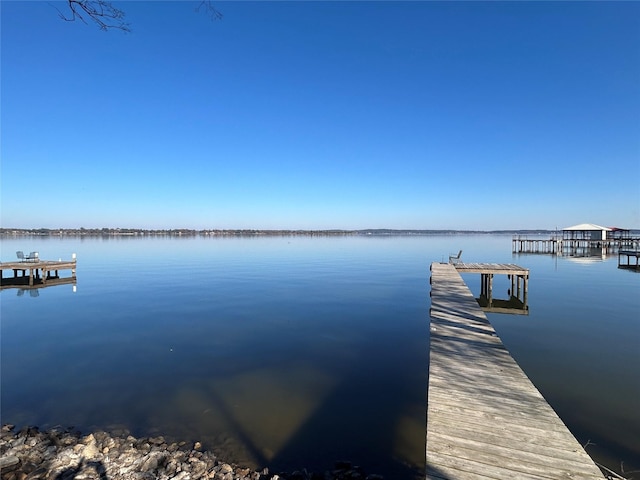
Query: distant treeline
(185, 232)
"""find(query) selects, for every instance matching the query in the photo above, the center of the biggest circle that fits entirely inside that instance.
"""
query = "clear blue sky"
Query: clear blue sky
(312, 115)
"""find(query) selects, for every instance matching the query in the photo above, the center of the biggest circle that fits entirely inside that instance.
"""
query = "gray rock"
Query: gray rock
(156, 440)
(9, 461)
(64, 454)
(151, 462)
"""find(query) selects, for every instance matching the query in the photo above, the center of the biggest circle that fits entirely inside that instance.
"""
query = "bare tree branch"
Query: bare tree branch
(207, 7)
(106, 16)
(102, 12)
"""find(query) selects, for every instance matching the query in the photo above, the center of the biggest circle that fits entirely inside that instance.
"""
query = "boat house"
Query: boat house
(586, 231)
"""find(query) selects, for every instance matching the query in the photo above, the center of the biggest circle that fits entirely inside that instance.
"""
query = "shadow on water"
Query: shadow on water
(244, 437)
(335, 430)
(316, 435)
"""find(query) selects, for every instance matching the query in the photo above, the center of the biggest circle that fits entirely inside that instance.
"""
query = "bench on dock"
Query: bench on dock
(453, 258)
(32, 257)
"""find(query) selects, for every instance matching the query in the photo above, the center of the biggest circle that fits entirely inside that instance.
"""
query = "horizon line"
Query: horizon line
(4, 230)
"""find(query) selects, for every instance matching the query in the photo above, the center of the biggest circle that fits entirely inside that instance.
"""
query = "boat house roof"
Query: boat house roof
(586, 227)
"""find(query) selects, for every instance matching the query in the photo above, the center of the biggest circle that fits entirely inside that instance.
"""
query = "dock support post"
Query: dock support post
(486, 287)
(490, 289)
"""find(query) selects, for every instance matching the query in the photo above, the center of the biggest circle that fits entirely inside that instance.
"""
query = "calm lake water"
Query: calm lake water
(293, 352)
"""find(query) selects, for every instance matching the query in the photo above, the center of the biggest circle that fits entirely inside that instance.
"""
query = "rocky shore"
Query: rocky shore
(64, 454)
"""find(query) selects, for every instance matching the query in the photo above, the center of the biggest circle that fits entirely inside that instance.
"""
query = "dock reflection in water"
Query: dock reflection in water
(34, 291)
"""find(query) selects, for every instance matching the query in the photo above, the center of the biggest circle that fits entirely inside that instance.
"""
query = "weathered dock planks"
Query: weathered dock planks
(485, 419)
(493, 268)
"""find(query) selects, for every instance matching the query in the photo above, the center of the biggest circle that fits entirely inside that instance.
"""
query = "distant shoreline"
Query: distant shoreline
(184, 232)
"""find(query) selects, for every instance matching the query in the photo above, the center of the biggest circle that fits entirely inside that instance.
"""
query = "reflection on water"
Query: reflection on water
(33, 292)
(511, 306)
(297, 352)
(260, 411)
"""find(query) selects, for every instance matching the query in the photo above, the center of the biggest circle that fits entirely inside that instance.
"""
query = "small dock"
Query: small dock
(536, 245)
(485, 419)
(518, 293)
(36, 274)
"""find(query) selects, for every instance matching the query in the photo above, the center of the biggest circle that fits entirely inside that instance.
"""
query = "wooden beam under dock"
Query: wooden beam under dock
(485, 419)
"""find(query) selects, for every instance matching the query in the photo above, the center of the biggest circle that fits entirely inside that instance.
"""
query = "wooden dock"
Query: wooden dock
(485, 419)
(41, 273)
(536, 245)
(516, 304)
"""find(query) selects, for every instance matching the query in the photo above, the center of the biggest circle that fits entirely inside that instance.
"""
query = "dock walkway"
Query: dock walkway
(485, 419)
